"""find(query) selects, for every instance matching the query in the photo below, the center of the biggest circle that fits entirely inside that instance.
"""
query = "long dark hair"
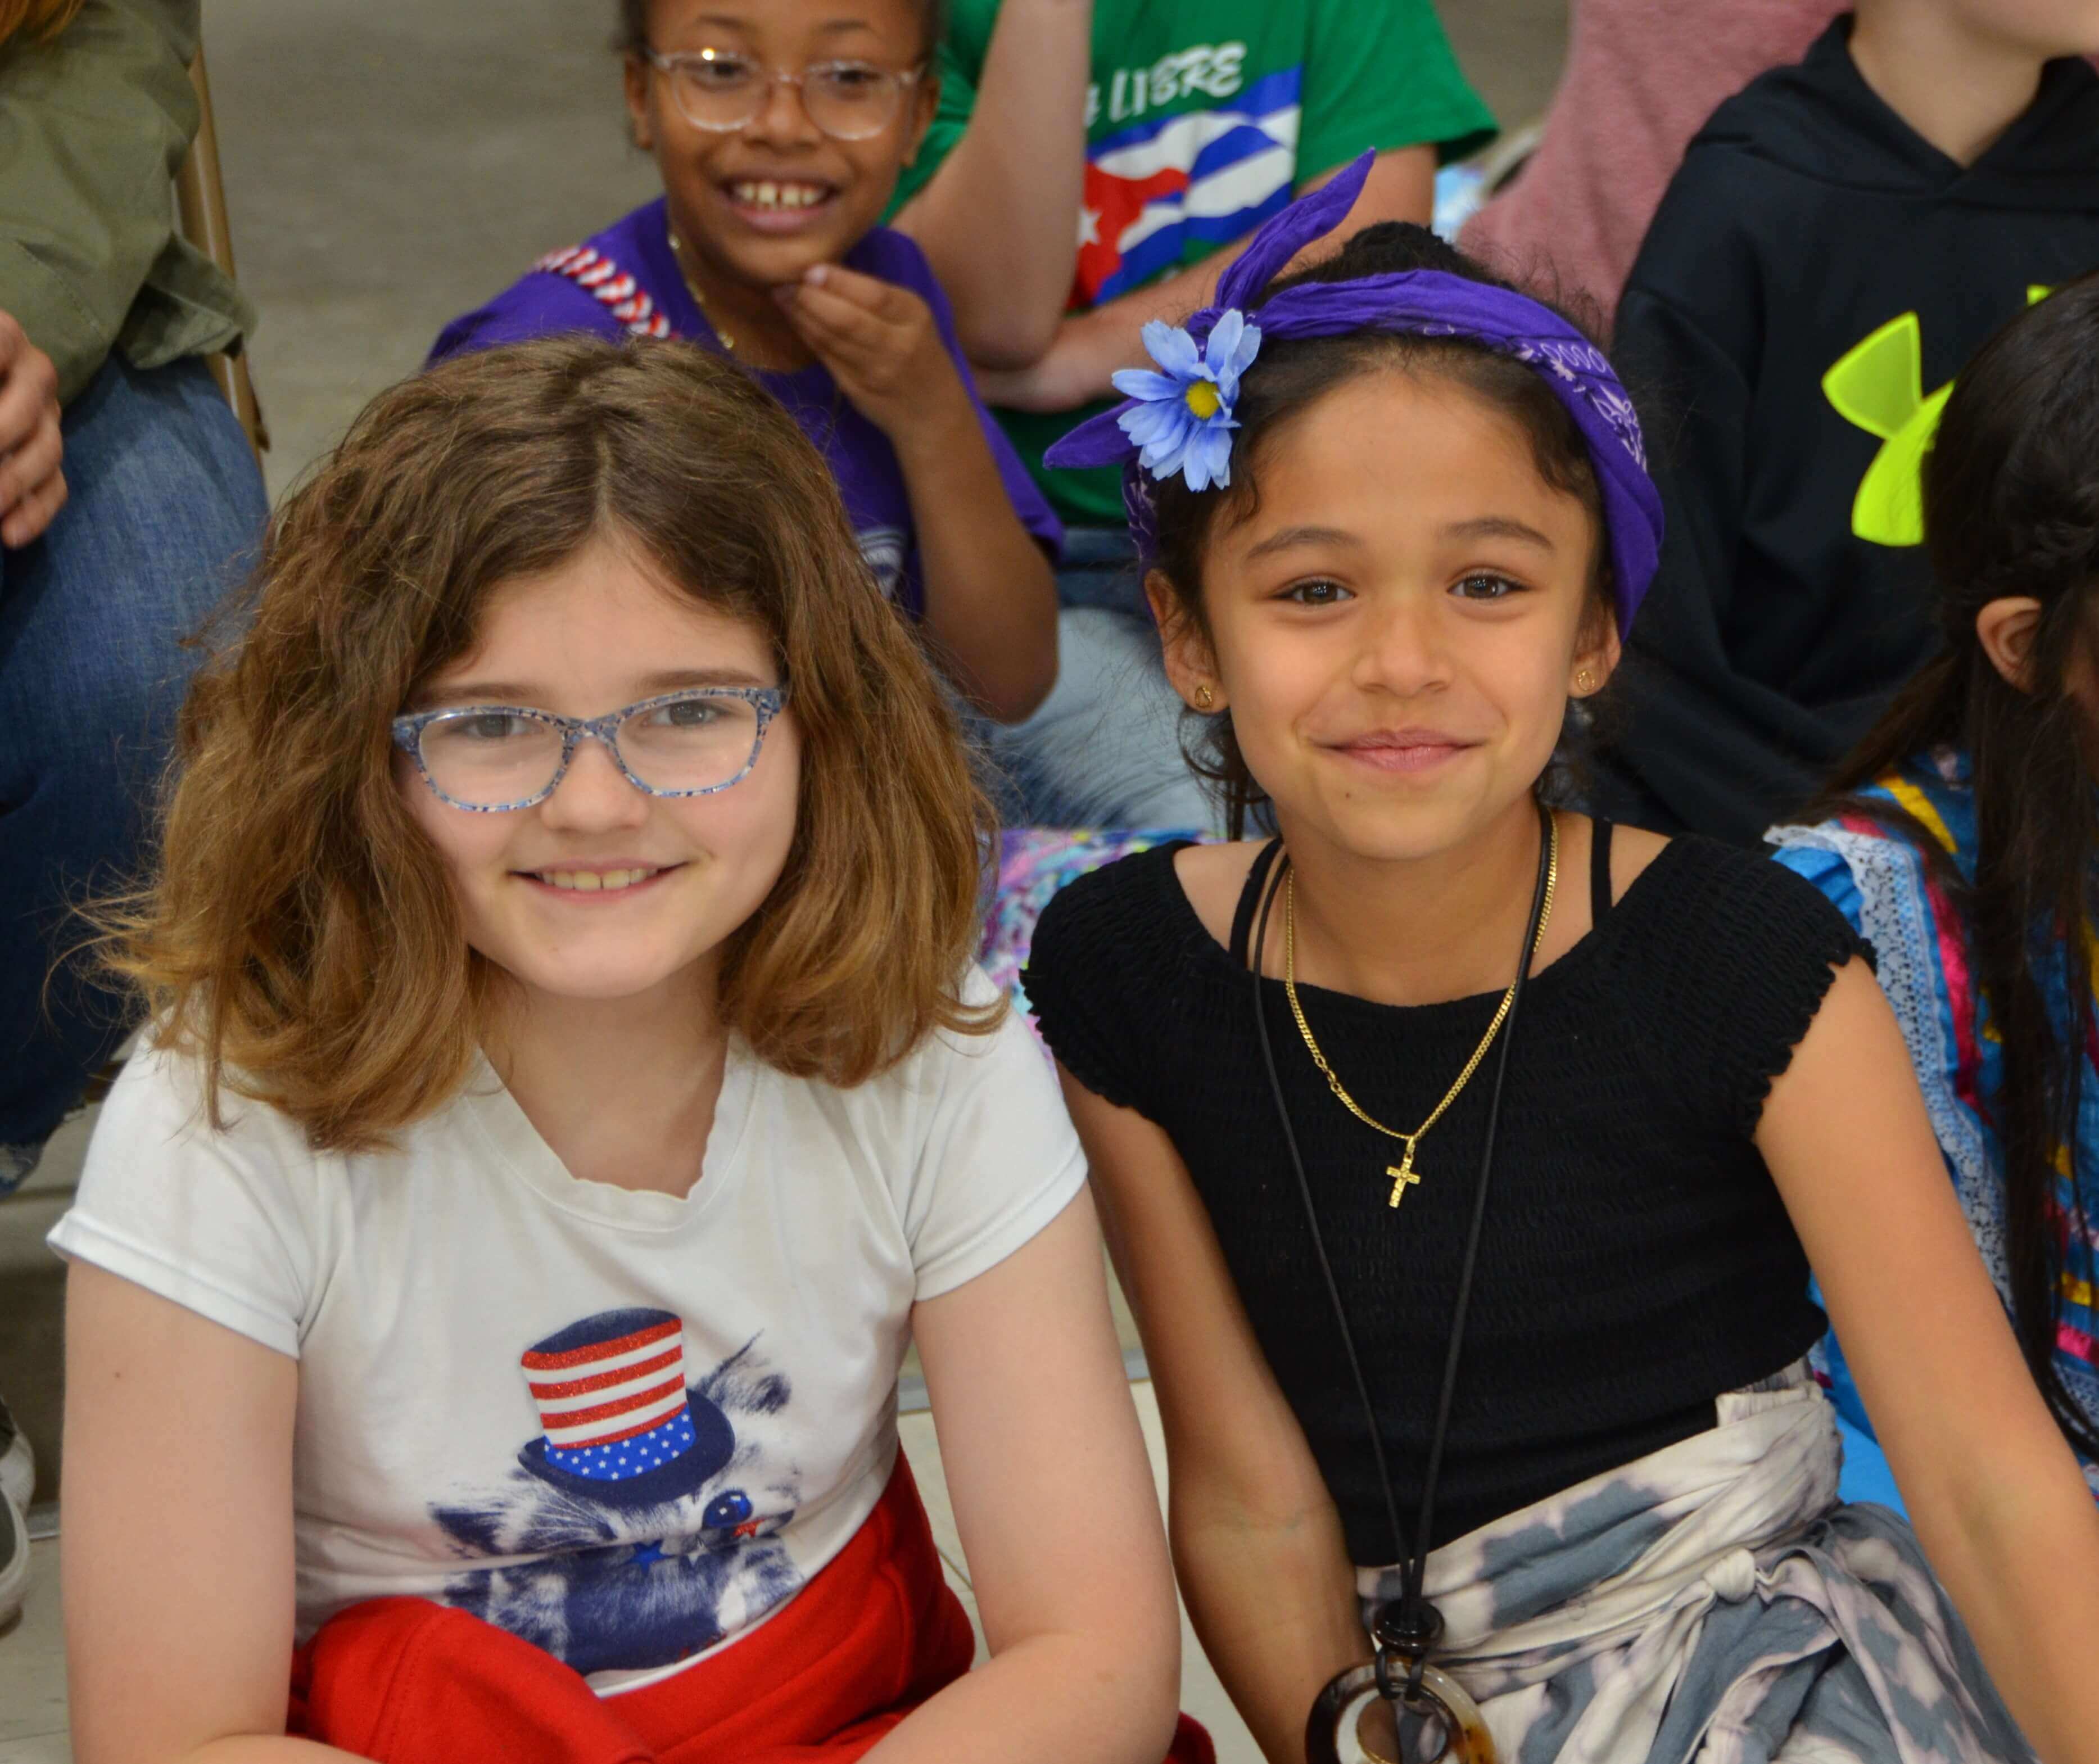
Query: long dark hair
(2011, 506)
(1291, 374)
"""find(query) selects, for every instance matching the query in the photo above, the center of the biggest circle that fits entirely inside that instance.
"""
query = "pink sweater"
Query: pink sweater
(1641, 76)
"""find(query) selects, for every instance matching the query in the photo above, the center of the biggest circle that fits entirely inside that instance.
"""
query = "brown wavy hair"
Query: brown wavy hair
(40, 20)
(300, 933)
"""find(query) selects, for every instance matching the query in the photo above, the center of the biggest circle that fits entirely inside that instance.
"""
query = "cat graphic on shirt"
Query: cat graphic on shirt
(652, 1511)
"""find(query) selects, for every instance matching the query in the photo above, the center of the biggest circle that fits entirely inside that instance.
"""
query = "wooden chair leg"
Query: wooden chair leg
(200, 207)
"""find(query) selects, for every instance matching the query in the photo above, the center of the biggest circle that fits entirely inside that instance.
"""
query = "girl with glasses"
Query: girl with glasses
(567, 1097)
(779, 128)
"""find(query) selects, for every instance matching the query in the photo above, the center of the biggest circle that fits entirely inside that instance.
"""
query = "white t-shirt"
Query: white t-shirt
(624, 1426)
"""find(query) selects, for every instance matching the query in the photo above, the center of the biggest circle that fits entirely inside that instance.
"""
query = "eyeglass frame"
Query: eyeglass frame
(407, 729)
(668, 63)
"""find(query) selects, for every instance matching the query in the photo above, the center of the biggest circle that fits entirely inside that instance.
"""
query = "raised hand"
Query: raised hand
(881, 346)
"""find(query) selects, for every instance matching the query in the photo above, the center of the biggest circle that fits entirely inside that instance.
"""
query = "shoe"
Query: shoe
(14, 1560)
(18, 1463)
(16, 1161)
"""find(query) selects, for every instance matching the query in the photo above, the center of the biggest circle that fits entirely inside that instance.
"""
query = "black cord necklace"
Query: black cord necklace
(1406, 1629)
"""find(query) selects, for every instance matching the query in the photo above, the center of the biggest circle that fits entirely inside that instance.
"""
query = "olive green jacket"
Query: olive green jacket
(93, 125)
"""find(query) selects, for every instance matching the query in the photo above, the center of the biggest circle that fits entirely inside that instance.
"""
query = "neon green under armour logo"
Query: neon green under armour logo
(1878, 386)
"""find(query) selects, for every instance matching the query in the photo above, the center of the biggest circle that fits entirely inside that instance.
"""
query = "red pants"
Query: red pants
(405, 1681)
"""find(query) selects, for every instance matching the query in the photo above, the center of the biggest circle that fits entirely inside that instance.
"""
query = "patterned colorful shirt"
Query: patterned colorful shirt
(1034, 863)
(1883, 884)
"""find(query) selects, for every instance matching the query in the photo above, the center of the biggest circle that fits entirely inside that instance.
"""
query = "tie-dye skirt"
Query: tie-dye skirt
(1712, 1602)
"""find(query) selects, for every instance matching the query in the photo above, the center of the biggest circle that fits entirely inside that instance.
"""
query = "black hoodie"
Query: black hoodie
(1814, 252)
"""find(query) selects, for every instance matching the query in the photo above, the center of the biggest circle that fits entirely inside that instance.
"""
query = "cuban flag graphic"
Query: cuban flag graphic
(1209, 177)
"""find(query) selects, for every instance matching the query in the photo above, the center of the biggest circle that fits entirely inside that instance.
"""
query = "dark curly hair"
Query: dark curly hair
(630, 37)
(1292, 374)
(2011, 508)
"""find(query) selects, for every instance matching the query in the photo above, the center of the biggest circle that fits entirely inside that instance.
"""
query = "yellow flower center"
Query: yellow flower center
(1202, 399)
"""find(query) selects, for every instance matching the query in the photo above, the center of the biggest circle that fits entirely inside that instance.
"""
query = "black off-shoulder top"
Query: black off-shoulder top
(1637, 1262)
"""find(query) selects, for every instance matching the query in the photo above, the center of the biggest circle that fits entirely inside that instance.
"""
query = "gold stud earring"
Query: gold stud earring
(1583, 681)
(1205, 697)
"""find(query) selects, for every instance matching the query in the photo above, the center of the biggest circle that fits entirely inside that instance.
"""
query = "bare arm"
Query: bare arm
(1995, 1494)
(991, 599)
(1053, 1496)
(1090, 346)
(1256, 1542)
(177, 1551)
(999, 217)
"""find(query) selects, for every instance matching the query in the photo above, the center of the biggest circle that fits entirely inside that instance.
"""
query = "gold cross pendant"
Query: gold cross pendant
(1402, 1175)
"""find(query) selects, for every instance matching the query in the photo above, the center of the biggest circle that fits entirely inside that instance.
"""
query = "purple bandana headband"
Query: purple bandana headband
(1180, 420)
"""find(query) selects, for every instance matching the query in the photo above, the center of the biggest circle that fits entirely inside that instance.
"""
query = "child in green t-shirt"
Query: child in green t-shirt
(1159, 133)
(1202, 118)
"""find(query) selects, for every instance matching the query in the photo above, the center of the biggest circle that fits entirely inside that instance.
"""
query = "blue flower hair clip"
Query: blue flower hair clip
(1182, 419)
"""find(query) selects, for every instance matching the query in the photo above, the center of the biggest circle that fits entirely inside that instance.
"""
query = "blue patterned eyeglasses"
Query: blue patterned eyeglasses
(492, 758)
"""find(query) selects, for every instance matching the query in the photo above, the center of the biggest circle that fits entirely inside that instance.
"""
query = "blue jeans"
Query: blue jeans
(1103, 749)
(166, 509)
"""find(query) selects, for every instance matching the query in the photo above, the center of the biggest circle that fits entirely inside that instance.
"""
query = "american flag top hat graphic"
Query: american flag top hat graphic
(621, 1427)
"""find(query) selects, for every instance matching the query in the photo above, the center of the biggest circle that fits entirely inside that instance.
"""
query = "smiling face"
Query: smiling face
(762, 205)
(1397, 625)
(602, 892)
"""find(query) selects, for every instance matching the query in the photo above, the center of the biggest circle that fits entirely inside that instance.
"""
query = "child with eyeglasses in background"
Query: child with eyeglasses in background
(780, 128)
(567, 1097)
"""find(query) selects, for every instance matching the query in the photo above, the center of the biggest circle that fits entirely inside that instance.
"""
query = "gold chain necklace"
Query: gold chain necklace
(692, 287)
(1403, 1174)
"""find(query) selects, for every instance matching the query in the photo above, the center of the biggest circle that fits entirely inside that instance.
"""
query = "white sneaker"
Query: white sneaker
(18, 1463)
(14, 1560)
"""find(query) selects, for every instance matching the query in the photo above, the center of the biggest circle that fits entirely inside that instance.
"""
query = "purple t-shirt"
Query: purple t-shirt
(625, 282)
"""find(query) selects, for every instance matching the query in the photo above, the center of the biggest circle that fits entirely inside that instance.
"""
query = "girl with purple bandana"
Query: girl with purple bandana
(1464, 1163)
(780, 132)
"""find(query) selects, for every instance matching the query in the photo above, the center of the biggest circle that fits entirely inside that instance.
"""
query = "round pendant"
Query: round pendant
(1352, 1723)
